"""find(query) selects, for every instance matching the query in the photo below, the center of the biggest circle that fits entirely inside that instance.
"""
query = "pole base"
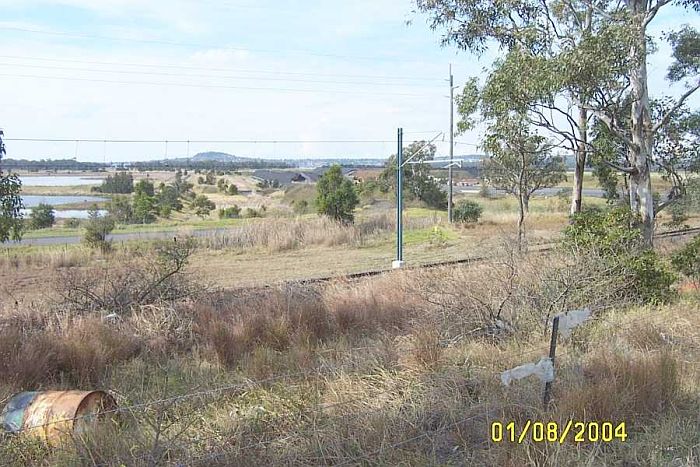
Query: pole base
(396, 264)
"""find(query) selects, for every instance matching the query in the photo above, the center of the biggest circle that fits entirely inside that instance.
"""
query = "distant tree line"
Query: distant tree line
(46, 164)
(175, 164)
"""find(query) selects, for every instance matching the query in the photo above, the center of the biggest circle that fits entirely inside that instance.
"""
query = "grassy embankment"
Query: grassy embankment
(400, 369)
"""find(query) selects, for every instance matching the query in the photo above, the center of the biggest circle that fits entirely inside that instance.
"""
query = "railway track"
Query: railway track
(538, 248)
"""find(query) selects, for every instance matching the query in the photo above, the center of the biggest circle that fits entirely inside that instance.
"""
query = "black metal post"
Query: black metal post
(552, 353)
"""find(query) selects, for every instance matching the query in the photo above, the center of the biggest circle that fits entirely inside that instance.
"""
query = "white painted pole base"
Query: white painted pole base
(396, 264)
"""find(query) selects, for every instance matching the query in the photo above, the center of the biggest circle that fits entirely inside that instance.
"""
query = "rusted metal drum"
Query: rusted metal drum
(51, 415)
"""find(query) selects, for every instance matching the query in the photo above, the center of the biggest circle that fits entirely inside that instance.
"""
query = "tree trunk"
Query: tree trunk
(581, 150)
(522, 204)
(640, 151)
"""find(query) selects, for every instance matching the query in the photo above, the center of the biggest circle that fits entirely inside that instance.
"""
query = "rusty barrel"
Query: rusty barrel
(49, 415)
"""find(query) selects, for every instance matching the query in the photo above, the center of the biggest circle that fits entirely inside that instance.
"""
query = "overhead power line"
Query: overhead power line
(190, 75)
(201, 45)
(215, 86)
(208, 141)
(232, 70)
(213, 141)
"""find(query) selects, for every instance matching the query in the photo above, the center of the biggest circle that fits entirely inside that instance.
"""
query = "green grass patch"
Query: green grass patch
(432, 235)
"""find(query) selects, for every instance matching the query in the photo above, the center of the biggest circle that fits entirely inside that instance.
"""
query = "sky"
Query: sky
(265, 78)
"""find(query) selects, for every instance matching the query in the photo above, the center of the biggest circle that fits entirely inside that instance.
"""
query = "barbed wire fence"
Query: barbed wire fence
(160, 455)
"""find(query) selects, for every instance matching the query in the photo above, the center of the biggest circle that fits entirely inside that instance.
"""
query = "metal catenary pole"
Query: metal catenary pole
(452, 145)
(399, 199)
(552, 352)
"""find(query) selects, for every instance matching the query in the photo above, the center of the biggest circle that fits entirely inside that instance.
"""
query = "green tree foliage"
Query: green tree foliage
(208, 179)
(181, 186)
(467, 212)
(417, 181)
(10, 202)
(590, 57)
(232, 189)
(120, 209)
(145, 208)
(221, 185)
(520, 162)
(97, 228)
(300, 206)
(144, 187)
(251, 213)
(266, 184)
(687, 260)
(168, 198)
(119, 183)
(42, 216)
(202, 206)
(613, 236)
(336, 196)
(231, 212)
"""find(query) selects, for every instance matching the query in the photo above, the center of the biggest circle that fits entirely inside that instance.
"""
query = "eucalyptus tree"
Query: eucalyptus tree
(541, 75)
(10, 202)
(520, 162)
(570, 60)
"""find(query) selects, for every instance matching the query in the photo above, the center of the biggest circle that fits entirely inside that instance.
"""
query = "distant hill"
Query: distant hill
(212, 156)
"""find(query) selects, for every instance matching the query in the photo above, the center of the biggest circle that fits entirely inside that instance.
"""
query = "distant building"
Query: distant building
(286, 177)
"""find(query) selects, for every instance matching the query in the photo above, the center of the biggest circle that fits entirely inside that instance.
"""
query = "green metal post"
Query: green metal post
(399, 197)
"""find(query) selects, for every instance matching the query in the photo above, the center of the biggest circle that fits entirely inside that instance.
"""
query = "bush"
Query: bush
(232, 190)
(300, 207)
(42, 217)
(687, 260)
(97, 228)
(231, 212)
(120, 210)
(251, 213)
(679, 215)
(72, 223)
(203, 206)
(485, 191)
(612, 236)
(467, 212)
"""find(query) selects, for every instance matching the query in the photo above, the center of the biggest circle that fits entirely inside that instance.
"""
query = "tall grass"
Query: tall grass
(279, 234)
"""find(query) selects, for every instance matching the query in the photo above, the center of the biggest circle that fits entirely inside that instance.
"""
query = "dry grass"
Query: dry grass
(393, 373)
(620, 387)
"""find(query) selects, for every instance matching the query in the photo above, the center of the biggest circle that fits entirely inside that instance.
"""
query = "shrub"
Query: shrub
(121, 210)
(251, 213)
(612, 235)
(231, 212)
(221, 185)
(144, 187)
(687, 260)
(336, 195)
(301, 206)
(153, 276)
(485, 191)
(232, 189)
(203, 206)
(42, 217)
(679, 215)
(72, 223)
(97, 228)
(467, 212)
